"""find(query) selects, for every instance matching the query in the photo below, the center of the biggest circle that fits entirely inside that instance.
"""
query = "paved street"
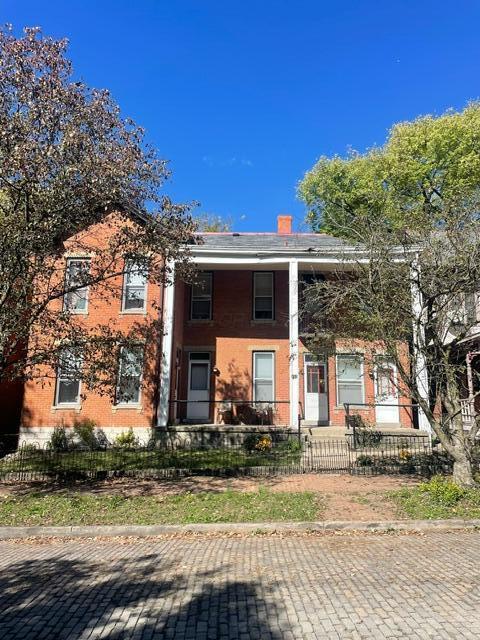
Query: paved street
(390, 586)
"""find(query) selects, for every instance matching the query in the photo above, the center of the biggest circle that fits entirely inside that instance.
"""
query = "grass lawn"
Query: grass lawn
(188, 508)
(439, 498)
(46, 461)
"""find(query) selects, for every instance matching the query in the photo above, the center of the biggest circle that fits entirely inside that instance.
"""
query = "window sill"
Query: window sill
(133, 312)
(135, 406)
(263, 321)
(76, 313)
(200, 321)
(66, 407)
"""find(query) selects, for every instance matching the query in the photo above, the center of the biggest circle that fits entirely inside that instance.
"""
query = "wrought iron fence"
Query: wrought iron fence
(175, 452)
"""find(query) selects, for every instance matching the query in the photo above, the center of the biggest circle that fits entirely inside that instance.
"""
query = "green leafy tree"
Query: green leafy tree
(68, 161)
(410, 211)
(423, 167)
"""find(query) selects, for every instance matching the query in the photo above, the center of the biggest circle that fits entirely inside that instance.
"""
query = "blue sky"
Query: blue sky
(243, 96)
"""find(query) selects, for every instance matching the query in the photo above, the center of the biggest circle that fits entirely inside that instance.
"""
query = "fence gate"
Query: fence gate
(326, 455)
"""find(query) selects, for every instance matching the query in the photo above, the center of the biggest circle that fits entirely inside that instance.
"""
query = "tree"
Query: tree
(69, 163)
(415, 272)
(209, 222)
(424, 165)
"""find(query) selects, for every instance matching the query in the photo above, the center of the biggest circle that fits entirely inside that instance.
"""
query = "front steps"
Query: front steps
(320, 433)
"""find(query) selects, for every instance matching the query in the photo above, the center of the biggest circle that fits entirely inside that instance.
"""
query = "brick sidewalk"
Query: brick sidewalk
(342, 587)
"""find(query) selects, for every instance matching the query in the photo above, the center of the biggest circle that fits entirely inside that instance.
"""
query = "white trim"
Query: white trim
(294, 391)
(362, 376)
(139, 310)
(254, 378)
(420, 362)
(167, 348)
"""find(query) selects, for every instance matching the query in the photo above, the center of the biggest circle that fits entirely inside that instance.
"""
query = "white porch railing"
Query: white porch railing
(468, 413)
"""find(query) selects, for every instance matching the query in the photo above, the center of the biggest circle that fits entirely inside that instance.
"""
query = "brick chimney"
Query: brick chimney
(284, 224)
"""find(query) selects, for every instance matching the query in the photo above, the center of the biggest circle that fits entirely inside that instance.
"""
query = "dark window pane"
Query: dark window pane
(134, 297)
(199, 377)
(263, 308)
(68, 391)
(200, 309)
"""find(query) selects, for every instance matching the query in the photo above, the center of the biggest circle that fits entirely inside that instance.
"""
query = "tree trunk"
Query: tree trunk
(463, 472)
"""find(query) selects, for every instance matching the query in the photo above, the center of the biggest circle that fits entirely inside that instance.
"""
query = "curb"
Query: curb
(8, 533)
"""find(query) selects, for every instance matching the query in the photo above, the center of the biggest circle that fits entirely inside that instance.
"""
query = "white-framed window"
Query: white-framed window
(77, 271)
(350, 383)
(201, 303)
(263, 376)
(134, 297)
(67, 389)
(263, 295)
(130, 369)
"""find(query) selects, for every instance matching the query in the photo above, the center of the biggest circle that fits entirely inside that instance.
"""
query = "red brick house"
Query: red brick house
(232, 351)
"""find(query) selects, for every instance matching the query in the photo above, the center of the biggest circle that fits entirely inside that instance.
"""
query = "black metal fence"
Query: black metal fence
(176, 452)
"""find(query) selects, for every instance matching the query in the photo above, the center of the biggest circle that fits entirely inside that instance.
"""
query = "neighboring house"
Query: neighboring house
(58, 398)
(232, 350)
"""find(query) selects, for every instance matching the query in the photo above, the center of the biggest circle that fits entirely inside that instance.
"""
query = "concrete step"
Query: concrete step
(319, 433)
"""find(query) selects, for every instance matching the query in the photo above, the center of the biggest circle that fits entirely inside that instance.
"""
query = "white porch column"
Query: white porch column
(167, 346)
(421, 371)
(293, 338)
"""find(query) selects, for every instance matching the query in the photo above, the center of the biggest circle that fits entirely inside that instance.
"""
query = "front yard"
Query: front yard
(189, 508)
(201, 499)
(118, 460)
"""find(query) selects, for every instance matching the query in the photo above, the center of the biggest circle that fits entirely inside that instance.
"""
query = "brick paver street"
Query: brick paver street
(370, 586)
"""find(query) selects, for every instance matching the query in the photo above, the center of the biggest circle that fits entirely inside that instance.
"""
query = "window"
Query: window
(263, 295)
(134, 287)
(129, 375)
(76, 301)
(201, 307)
(263, 387)
(349, 379)
(67, 390)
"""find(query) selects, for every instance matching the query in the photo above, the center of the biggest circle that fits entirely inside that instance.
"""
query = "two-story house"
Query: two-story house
(232, 350)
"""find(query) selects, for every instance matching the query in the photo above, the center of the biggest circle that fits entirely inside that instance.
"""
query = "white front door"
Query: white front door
(386, 392)
(315, 383)
(198, 406)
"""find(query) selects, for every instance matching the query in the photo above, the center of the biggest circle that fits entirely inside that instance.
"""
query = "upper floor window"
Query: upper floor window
(201, 303)
(134, 296)
(67, 391)
(130, 368)
(76, 295)
(349, 379)
(263, 295)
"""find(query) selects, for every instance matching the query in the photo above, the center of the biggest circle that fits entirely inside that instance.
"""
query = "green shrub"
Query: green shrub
(261, 442)
(59, 440)
(291, 445)
(126, 440)
(85, 432)
(443, 490)
(365, 461)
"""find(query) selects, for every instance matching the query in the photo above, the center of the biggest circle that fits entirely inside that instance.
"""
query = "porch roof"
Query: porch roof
(294, 242)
